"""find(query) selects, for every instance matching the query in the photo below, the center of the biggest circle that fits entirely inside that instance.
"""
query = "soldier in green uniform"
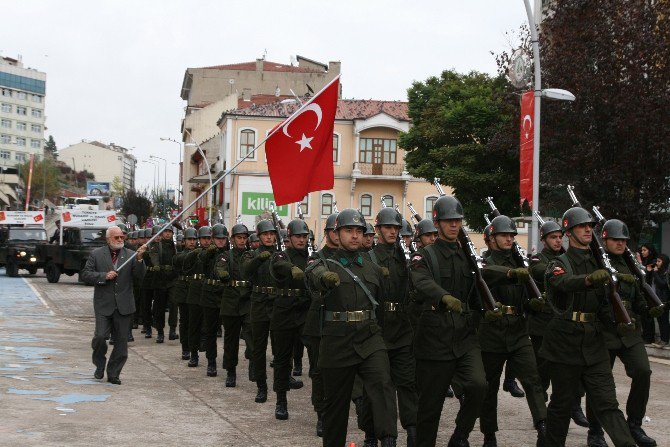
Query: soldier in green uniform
(142, 240)
(311, 334)
(254, 242)
(573, 343)
(629, 348)
(180, 288)
(152, 261)
(235, 305)
(445, 342)
(505, 339)
(352, 342)
(368, 237)
(213, 261)
(426, 232)
(193, 296)
(256, 269)
(163, 280)
(137, 292)
(180, 241)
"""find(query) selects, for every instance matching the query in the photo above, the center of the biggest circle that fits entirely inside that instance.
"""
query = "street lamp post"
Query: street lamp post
(180, 186)
(155, 164)
(74, 167)
(209, 171)
(164, 178)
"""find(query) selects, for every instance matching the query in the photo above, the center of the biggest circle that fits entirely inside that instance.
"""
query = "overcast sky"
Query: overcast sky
(115, 68)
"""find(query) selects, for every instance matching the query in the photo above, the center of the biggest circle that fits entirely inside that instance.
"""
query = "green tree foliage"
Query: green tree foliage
(137, 203)
(50, 147)
(465, 131)
(45, 178)
(117, 187)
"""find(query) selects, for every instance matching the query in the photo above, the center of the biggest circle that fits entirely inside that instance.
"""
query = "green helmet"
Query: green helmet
(447, 207)
(147, 233)
(406, 228)
(131, 235)
(190, 233)
(205, 232)
(369, 229)
(502, 224)
(487, 232)
(330, 222)
(123, 228)
(549, 227)
(426, 226)
(239, 229)
(219, 231)
(168, 227)
(296, 227)
(576, 216)
(264, 225)
(388, 216)
(615, 229)
(180, 237)
(253, 237)
(350, 218)
(155, 229)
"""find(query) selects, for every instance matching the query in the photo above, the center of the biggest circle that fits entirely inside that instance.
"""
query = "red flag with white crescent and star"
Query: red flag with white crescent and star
(526, 154)
(300, 150)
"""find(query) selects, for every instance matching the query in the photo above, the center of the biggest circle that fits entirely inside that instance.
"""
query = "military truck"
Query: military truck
(70, 257)
(19, 248)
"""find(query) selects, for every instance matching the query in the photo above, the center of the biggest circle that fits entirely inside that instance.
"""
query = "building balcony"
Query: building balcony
(380, 171)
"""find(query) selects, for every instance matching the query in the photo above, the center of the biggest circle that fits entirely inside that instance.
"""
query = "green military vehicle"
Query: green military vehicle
(70, 257)
(19, 248)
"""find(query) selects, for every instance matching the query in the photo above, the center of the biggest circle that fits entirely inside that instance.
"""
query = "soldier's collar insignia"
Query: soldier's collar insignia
(344, 261)
(359, 260)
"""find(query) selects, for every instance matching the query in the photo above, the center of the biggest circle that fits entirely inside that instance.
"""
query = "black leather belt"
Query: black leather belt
(349, 316)
(583, 317)
(392, 307)
(183, 278)
(240, 283)
(508, 310)
(212, 282)
(198, 276)
(277, 291)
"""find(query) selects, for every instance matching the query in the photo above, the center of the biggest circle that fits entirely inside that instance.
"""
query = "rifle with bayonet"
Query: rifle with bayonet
(415, 215)
(310, 237)
(276, 220)
(603, 260)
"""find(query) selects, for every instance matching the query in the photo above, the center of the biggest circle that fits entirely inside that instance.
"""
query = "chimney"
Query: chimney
(334, 67)
(246, 94)
(259, 64)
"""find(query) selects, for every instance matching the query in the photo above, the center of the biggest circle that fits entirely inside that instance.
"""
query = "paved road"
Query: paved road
(49, 398)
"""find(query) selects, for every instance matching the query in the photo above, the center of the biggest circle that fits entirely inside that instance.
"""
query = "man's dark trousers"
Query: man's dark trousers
(103, 328)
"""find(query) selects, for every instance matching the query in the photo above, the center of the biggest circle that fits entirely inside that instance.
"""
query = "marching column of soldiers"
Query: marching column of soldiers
(398, 324)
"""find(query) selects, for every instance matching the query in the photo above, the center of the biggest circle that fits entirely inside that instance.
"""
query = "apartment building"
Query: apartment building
(105, 161)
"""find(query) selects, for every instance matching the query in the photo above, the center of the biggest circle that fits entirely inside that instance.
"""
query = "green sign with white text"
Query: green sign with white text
(255, 203)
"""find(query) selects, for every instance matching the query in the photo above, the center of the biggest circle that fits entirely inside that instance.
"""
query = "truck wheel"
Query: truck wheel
(52, 271)
(12, 269)
(32, 270)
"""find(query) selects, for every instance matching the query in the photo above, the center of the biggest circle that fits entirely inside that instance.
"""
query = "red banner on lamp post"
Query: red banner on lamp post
(526, 152)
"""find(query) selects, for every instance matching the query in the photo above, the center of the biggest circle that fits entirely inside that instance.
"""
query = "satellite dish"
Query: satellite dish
(231, 81)
(131, 219)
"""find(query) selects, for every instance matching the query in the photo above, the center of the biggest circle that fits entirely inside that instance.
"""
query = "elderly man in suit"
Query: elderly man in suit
(113, 301)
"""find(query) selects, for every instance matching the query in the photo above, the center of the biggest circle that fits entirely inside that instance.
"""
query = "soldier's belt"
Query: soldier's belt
(154, 268)
(212, 282)
(277, 291)
(349, 316)
(392, 307)
(198, 276)
(509, 310)
(583, 317)
(240, 283)
(183, 278)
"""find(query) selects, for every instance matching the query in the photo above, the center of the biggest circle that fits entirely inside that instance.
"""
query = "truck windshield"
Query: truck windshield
(92, 235)
(27, 234)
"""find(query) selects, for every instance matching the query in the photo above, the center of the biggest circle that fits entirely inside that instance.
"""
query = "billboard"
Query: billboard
(254, 203)
(21, 218)
(97, 189)
(87, 218)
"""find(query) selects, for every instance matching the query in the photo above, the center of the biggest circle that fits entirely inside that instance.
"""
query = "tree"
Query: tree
(136, 203)
(612, 143)
(45, 179)
(465, 131)
(118, 188)
(50, 148)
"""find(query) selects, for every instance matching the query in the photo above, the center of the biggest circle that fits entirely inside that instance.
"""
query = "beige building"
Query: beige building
(105, 161)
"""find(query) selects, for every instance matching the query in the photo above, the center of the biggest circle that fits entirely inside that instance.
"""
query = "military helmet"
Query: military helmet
(549, 227)
(502, 224)
(131, 235)
(615, 229)
(426, 226)
(219, 231)
(253, 237)
(155, 229)
(576, 216)
(264, 225)
(180, 237)
(388, 216)
(330, 222)
(190, 233)
(239, 229)
(369, 229)
(447, 207)
(487, 232)
(296, 227)
(147, 233)
(406, 229)
(123, 228)
(205, 232)
(350, 218)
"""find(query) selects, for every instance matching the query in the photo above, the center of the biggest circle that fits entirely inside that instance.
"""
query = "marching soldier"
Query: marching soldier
(445, 343)
(180, 289)
(407, 234)
(368, 237)
(426, 232)
(194, 294)
(351, 340)
(629, 347)
(180, 242)
(235, 305)
(152, 262)
(573, 344)
(254, 242)
(163, 281)
(505, 338)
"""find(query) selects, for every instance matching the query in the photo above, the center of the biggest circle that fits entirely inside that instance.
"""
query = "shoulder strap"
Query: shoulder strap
(358, 281)
(373, 256)
(433, 265)
(550, 296)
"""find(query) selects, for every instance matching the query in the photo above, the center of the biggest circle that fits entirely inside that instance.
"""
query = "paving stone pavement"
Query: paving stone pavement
(50, 399)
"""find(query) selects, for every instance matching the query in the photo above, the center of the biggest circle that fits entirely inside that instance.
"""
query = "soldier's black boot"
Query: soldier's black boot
(596, 436)
(281, 409)
(411, 436)
(262, 394)
(640, 437)
(295, 384)
(160, 336)
(541, 428)
(211, 367)
(130, 336)
(297, 368)
(578, 415)
(388, 441)
(193, 361)
(319, 425)
(450, 392)
(370, 440)
(147, 332)
(185, 355)
(458, 439)
(173, 334)
(143, 330)
(490, 440)
(231, 378)
(512, 387)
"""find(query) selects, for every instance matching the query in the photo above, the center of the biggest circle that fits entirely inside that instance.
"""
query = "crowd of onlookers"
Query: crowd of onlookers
(658, 277)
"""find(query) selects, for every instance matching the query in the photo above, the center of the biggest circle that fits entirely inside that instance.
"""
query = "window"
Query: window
(336, 149)
(6, 92)
(365, 150)
(378, 151)
(35, 144)
(247, 142)
(304, 205)
(36, 98)
(21, 95)
(5, 155)
(21, 110)
(430, 203)
(366, 205)
(6, 107)
(20, 126)
(5, 139)
(20, 156)
(7, 124)
(390, 151)
(326, 204)
(388, 200)
(36, 128)
(20, 141)
(37, 113)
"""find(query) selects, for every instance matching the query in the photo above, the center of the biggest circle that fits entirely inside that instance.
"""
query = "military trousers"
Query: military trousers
(283, 342)
(523, 367)
(433, 378)
(298, 350)
(233, 326)
(160, 303)
(338, 383)
(137, 316)
(183, 326)
(210, 326)
(260, 330)
(147, 304)
(312, 345)
(173, 312)
(194, 327)
(636, 363)
(542, 369)
(599, 385)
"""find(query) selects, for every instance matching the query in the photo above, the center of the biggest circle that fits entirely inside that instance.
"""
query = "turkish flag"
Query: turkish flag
(300, 150)
(526, 155)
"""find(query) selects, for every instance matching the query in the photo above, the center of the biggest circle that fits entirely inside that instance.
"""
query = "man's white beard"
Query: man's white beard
(116, 245)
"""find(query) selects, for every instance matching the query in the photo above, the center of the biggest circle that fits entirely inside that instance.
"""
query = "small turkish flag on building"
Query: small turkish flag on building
(300, 150)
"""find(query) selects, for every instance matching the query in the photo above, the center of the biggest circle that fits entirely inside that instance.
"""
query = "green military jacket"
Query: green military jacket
(537, 321)
(289, 311)
(440, 334)
(196, 273)
(511, 331)
(236, 299)
(164, 278)
(313, 318)
(348, 343)
(150, 260)
(212, 288)
(566, 341)
(180, 288)
(396, 326)
(257, 272)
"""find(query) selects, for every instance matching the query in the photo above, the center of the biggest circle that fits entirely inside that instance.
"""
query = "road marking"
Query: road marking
(659, 360)
(39, 295)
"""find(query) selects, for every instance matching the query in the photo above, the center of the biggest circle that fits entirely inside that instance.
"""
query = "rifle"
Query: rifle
(335, 210)
(519, 256)
(276, 220)
(310, 240)
(415, 215)
(636, 269)
(486, 218)
(475, 261)
(403, 245)
(603, 260)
